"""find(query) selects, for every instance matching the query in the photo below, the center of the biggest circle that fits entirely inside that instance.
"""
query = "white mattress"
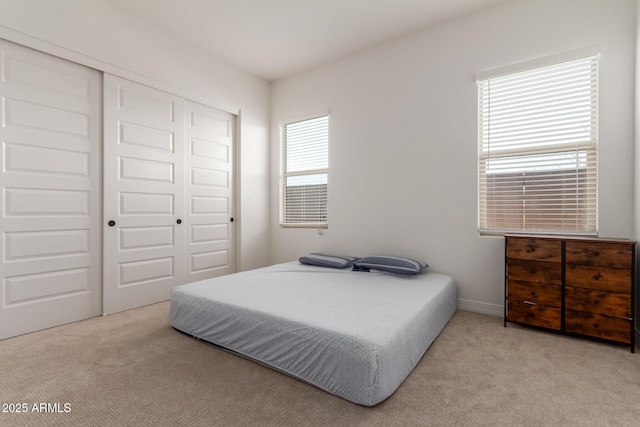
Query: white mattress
(354, 334)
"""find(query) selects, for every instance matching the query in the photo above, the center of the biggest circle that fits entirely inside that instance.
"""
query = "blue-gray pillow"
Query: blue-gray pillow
(325, 260)
(390, 264)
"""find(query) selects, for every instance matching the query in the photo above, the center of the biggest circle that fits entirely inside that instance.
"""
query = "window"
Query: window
(305, 165)
(538, 138)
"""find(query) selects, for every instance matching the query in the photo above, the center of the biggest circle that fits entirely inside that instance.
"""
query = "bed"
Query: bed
(356, 335)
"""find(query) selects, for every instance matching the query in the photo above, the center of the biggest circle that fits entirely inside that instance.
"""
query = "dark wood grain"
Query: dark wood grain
(534, 249)
(601, 302)
(534, 314)
(538, 293)
(602, 253)
(598, 325)
(596, 277)
(534, 271)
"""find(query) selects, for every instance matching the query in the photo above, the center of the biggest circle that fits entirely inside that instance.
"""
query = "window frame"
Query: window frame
(285, 174)
(590, 150)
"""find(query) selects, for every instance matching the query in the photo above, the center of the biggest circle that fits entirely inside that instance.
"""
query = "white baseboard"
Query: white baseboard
(481, 307)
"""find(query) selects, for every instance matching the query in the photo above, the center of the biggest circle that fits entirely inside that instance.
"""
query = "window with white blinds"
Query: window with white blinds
(305, 166)
(538, 140)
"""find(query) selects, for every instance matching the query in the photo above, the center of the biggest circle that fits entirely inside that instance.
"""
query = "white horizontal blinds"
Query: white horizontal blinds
(538, 139)
(305, 147)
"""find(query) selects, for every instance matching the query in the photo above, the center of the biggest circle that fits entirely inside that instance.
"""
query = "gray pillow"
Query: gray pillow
(390, 264)
(325, 260)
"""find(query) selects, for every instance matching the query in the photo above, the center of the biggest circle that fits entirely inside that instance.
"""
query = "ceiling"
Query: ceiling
(274, 39)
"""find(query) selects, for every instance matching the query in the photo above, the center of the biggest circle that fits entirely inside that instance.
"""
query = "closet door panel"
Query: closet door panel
(209, 162)
(143, 190)
(50, 134)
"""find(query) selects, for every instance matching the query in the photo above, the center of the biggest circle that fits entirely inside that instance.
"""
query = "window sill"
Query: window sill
(315, 226)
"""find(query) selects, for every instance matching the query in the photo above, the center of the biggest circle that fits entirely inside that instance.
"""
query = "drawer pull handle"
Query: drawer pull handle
(596, 302)
(597, 277)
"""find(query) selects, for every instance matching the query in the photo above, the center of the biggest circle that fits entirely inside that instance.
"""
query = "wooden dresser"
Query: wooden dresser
(580, 286)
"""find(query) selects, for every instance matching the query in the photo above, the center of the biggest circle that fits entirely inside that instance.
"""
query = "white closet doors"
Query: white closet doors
(50, 179)
(168, 201)
(209, 192)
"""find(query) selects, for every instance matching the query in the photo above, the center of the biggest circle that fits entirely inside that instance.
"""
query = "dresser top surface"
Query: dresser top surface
(577, 238)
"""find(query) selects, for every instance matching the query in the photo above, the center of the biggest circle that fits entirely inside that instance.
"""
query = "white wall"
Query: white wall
(637, 161)
(95, 34)
(403, 135)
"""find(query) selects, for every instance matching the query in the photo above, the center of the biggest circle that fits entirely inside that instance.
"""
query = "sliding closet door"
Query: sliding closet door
(50, 178)
(143, 194)
(210, 240)
(167, 193)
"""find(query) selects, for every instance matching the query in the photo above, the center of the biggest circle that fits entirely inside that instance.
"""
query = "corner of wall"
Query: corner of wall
(636, 145)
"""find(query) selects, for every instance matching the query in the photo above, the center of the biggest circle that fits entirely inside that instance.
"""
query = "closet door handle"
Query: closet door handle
(179, 221)
(232, 219)
(111, 223)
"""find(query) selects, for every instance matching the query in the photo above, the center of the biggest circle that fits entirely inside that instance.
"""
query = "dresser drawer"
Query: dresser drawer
(534, 249)
(534, 314)
(598, 325)
(538, 293)
(595, 301)
(596, 253)
(534, 271)
(595, 277)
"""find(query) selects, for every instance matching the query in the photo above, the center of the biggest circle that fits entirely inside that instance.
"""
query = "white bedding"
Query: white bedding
(356, 335)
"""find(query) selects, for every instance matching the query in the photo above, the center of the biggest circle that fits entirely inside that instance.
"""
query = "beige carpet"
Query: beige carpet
(133, 369)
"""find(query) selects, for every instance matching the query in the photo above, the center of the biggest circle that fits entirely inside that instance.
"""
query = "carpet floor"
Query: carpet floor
(133, 369)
